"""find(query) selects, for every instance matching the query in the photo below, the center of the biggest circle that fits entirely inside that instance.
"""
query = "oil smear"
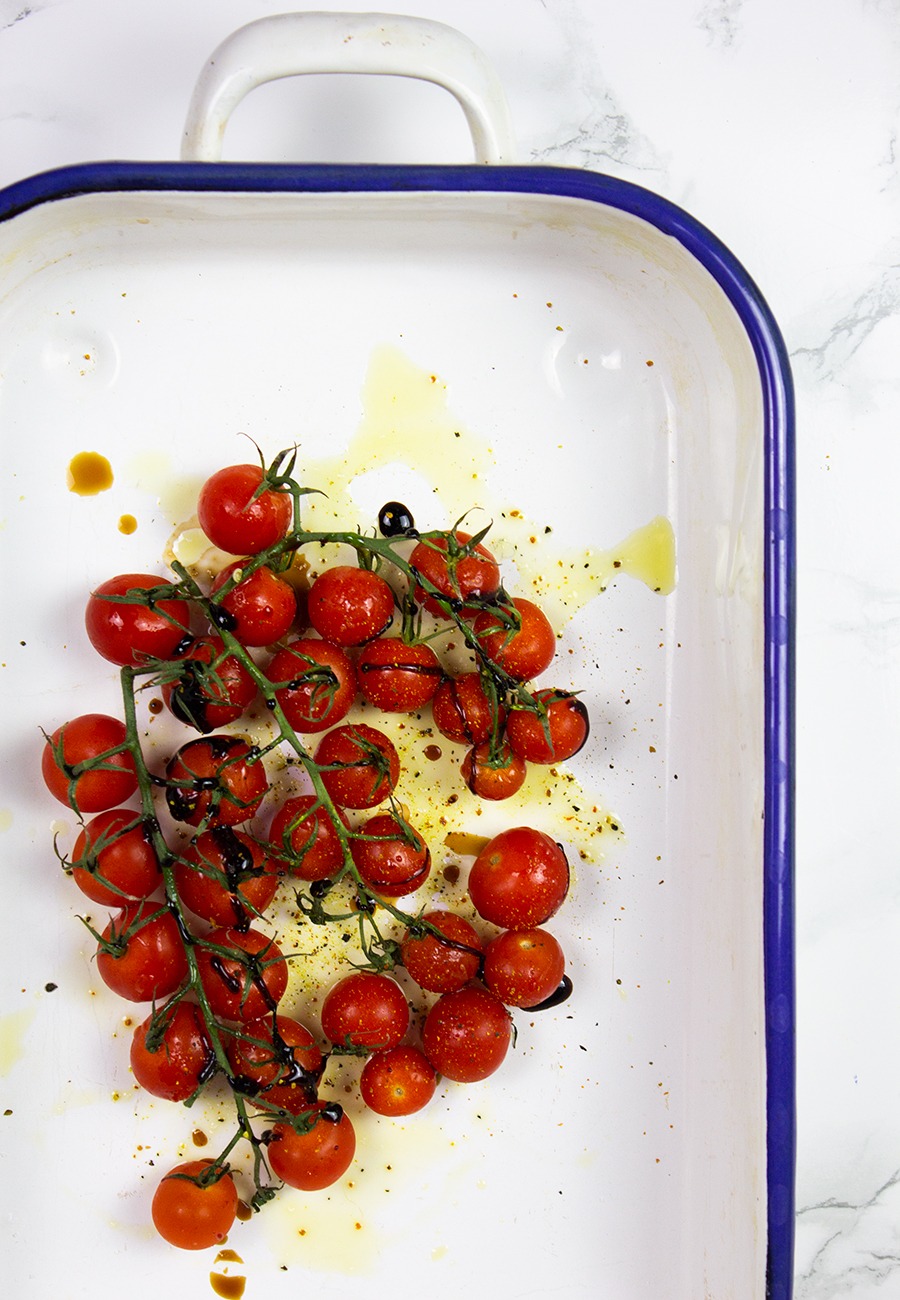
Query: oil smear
(88, 474)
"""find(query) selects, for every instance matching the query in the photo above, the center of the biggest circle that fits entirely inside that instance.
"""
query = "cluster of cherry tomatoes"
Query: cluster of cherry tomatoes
(190, 893)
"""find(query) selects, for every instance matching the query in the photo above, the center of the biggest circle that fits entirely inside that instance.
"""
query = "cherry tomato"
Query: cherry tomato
(314, 683)
(397, 1082)
(365, 1010)
(350, 606)
(397, 677)
(493, 775)
(246, 978)
(519, 879)
(195, 1205)
(567, 727)
(395, 861)
(142, 957)
(224, 877)
(137, 630)
(316, 1158)
(466, 1034)
(463, 711)
(523, 967)
(303, 836)
(239, 518)
(459, 572)
(183, 1057)
(360, 765)
(260, 609)
(441, 967)
(213, 688)
(109, 779)
(219, 779)
(522, 644)
(276, 1064)
(113, 858)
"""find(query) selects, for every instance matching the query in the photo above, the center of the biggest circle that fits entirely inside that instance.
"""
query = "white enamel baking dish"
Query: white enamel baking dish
(521, 339)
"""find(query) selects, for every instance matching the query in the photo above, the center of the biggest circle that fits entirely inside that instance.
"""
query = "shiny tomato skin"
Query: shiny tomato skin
(131, 633)
(235, 518)
(286, 1075)
(261, 608)
(350, 606)
(493, 777)
(176, 1068)
(315, 1159)
(463, 712)
(190, 1216)
(397, 677)
(303, 838)
(519, 879)
(310, 703)
(152, 963)
(214, 689)
(225, 877)
(400, 1081)
(365, 1010)
(471, 577)
(216, 779)
(522, 653)
(467, 1034)
(523, 967)
(113, 858)
(390, 863)
(567, 723)
(248, 984)
(83, 739)
(439, 967)
(364, 764)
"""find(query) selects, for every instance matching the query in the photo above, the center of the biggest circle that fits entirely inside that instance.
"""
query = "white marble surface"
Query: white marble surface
(775, 122)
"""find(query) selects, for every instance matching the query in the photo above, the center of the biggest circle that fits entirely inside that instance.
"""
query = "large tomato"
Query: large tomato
(519, 879)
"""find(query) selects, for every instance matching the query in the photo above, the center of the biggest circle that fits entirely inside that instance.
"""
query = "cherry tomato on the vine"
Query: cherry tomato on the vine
(523, 967)
(393, 859)
(224, 877)
(523, 644)
(239, 518)
(314, 683)
(467, 1034)
(181, 1060)
(195, 1205)
(457, 570)
(280, 1060)
(397, 677)
(440, 967)
(317, 1157)
(365, 1010)
(397, 1082)
(463, 711)
(132, 630)
(519, 879)
(109, 778)
(566, 723)
(216, 779)
(212, 689)
(141, 956)
(360, 765)
(113, 858)
(350, 606)
(260, 609)
(243, 973)
(493, 775)
(303, 837)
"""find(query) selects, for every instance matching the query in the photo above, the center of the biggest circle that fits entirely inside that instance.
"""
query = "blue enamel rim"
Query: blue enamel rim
(779, 506)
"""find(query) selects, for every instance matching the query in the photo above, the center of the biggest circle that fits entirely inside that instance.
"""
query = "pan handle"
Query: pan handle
(293, 44)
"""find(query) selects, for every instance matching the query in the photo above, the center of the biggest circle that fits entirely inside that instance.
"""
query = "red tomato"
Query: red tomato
(523, 967)
(350, 606)
(315, 1158)
(182, 1057)
(365, 1010)
(440, 967)
(218, 779)
(457, 571)
(314, 683)
(81, 767)
(303, 836)
(360, 766)
(276, 1064)
(397, 1082)
(466, 1034)
(397, 677)
(195, 1205)
(522, 643)
(493, 776)
(213, 688)
(395, 860)
(237, 517)
(224, 877)
(519, 879)
(567, 728)
(113, 858)
(464, 712)
(142, 956)
(246, 977)
(141, 628)
(260, 609)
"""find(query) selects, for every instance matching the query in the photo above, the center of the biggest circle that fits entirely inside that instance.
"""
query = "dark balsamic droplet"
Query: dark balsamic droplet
(395, 520)
(560, 994)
